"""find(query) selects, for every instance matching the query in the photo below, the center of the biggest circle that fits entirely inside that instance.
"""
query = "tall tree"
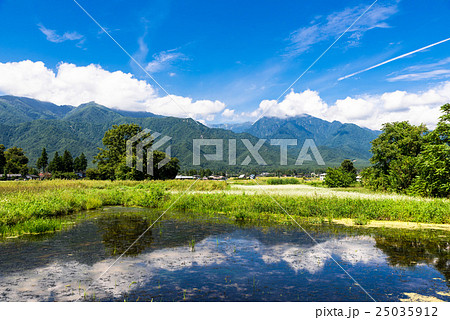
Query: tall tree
(67, 161)
(80, 163)
(342, 176)
(434, 161)
(348, 166)
(16, 161)
(111, 161)
(42, 162)
(395, 153)
(114, 152)
(442, 132)
(2, 158)
(56, 165)
(168, 171)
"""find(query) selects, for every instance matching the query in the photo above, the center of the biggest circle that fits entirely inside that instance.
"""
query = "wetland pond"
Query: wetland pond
(187, 257)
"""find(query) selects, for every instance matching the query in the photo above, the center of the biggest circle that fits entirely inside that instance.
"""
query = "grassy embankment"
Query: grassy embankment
(34, 207)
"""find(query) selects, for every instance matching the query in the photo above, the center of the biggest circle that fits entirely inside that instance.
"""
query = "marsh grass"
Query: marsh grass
(321, 209)
(34, 209)
(276, 181)
(47, 206)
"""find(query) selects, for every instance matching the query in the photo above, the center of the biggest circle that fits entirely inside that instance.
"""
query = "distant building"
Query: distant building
(217, 178)
(322, 176)
(11, 176)
(185, 177)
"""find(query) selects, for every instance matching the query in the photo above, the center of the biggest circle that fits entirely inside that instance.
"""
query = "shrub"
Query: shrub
(337, 177)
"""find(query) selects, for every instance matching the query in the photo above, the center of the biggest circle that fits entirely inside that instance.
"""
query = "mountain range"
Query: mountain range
(32, 124)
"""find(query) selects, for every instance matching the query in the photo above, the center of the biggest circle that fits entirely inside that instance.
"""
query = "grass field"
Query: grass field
(43, 206)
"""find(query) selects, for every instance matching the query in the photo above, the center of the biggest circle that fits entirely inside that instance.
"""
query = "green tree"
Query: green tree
(93, 174)
(193, 172)
(348, 166)
(433, 172)
(337, 177)
(441, 135)
(42, 162)
(395, 154)
(168, 171)
(2, 158)
(67, 162)
(434, 161)
(80, 163)
(111, 160)
(113, 154)
(343, 176)
(56, 165)
(16, 161)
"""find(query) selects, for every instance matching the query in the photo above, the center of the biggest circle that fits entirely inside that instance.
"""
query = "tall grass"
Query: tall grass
(36, 207)
(7, 187)
(248, 207)
(283, 181)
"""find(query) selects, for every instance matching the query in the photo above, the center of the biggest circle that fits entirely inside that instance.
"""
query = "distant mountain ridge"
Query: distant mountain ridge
(354, 140)
(33, 124)
(15, 110)
(235, 127)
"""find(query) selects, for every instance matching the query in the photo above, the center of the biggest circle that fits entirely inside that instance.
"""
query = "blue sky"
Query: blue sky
(232, 56)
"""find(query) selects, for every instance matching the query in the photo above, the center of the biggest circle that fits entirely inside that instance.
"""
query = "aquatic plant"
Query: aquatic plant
(192, 245)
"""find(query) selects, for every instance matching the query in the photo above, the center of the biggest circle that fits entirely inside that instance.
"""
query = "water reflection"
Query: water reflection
(194, 259)
(119, 234)
(413, 250)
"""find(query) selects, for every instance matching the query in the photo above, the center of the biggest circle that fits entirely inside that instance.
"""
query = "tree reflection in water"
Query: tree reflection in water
(412, 248)
(119, 234)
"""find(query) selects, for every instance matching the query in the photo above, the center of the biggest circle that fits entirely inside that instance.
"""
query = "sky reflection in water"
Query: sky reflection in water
(203, 261)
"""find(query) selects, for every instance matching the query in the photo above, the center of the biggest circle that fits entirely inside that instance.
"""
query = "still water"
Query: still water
(215, 259)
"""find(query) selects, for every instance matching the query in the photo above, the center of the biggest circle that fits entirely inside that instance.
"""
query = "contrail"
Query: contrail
(393, 59)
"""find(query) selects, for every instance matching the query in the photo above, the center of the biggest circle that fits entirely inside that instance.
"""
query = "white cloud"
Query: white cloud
(435, 74)
(61, 279)
(294, 104)
(53, 36)
(163, 60)
(228, 113)
(74, 85)
(428, 66)
(369, 111)
(71, 84)
(352, 250)
(331, 26)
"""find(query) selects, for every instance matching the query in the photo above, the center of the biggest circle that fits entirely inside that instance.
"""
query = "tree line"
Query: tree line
(63, 166)
(14, 161)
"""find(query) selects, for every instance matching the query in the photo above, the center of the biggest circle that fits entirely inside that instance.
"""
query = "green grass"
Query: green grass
(283, 181)
(37, 207)
(253, 207)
